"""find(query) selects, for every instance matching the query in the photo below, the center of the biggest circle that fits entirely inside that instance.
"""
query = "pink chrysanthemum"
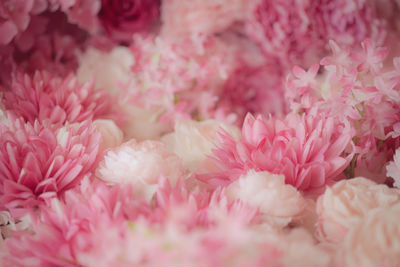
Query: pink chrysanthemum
(49, 98)
(308, 149)
(66, 226)
(36, 163)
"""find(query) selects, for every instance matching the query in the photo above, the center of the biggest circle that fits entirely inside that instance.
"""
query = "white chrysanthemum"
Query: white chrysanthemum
(193, 140)
(277, 201)
(140, 164)
(108, 69)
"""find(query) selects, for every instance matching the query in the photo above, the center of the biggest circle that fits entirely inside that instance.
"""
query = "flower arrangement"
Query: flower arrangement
(199, 133)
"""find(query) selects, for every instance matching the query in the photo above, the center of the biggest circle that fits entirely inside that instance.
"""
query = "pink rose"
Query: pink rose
(122, 18)
(345, 204)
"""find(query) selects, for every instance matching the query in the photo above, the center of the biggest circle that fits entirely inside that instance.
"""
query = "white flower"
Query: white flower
(107, 68)
(194, 140)
(140, 164)
(393, 168)
(277, 202)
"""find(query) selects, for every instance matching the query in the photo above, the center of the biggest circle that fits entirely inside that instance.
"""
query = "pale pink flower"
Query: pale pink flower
(277, 202)
(346, 203)
(184, 77)
(375, 241)
(307, 150)
(193, 141)
(111, 135)
(45, 97)
(140, 164)
(393, 169)
(182, 18)
(143, 123)
(296, 31)
(36, 163)
(108, 69)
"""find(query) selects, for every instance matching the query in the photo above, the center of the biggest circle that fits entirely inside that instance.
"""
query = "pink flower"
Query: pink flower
(308, 150)
(36, 163)
(15, 17)
(122, 18)
(277, 202)
(140, 164)
(82, 13)
(49, 98)
(182, 77)
(375, 241)
(345, 204)
(296, 31)
(182, 18)
(254, 89)
(65, 226)
(284, 29)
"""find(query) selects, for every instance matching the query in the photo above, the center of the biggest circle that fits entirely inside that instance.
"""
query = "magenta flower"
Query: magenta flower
(310, 150)
(49, 98)
(122, 18)
(36, 163)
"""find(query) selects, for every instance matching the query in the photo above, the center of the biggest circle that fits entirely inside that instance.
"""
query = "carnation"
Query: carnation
(277, 202)
(374, 241)
(109, 70)
(345, 204)
(140, 164)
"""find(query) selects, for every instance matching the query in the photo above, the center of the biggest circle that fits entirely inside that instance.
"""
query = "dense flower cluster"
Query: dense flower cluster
(199, 133)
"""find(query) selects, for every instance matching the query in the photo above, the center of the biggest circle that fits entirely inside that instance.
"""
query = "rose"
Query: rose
(122, 18)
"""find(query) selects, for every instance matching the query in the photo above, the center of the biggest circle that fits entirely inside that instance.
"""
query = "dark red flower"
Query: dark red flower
(122, 18)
